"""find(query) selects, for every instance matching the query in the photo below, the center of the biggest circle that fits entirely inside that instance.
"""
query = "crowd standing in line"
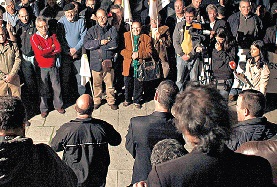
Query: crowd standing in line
(42, 44)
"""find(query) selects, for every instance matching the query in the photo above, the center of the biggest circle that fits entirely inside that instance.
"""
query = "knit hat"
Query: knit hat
(68, 7)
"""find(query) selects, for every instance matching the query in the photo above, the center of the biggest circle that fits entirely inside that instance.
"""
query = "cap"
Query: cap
(68, 7)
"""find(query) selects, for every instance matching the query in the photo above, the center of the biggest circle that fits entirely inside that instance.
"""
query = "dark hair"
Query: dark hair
(203, 113)
(167, 91)
(263, 53)
(229, 42)
(254, 101)
(190, 10)
(115, 7)
(12, 113)
(221, 10)
(166, 150)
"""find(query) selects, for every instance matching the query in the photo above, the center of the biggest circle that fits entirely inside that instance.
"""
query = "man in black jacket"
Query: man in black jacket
(24, 29)
(202, 116)
(85, 144)
(23, 163)
(252, 126)
(145, 131)
(101, 40)
(245, 26)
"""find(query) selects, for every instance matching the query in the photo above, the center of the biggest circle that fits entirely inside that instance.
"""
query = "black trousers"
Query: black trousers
(133, 88)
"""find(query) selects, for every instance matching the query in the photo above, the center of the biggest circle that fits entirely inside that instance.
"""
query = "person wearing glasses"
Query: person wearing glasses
(46, 47)
(102, 40)
(138, 47)
(71, 32)
(11, 15)
(245, 26)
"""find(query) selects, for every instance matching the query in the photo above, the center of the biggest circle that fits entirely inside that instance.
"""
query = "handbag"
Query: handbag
(148, 70)
(107, 65)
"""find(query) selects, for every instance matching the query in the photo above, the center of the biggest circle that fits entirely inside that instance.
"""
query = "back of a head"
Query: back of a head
(254, 101)
(84, 105)
(203, 112)
(166, 150)
(12, 113)
(167, 91)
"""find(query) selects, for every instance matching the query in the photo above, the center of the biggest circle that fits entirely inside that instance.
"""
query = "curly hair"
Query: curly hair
(203, 112)
(166, 150)
(12, 113)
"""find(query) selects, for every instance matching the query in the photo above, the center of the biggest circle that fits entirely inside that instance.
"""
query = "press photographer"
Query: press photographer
(187, 42)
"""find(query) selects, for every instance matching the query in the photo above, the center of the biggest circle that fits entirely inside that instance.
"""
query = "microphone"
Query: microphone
(232, 65)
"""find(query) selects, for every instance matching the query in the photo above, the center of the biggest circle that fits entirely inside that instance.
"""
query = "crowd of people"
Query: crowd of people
(208, 53)
(190, 42)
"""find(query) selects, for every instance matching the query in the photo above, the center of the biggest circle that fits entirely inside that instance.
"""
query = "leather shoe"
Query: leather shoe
(138, 106)
(126, 103)
(114, 107)
(96, 106)
(44, 114)
(61, 110)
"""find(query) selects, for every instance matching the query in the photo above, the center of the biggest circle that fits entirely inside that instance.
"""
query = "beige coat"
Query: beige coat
(258, 77)
(9, 64)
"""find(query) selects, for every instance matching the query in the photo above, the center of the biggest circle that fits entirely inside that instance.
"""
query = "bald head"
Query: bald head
(84, 105)
(23, 15)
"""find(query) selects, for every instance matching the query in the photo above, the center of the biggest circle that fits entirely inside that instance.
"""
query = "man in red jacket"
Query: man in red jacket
(46, 48)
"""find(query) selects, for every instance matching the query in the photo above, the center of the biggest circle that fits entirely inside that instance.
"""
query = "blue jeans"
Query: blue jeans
(182, 67)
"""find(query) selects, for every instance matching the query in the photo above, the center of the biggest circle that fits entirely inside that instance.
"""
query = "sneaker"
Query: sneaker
(96, 106)
(126, 103)
(114, 107)
(44, 114)
(138, 106)
(61, 110)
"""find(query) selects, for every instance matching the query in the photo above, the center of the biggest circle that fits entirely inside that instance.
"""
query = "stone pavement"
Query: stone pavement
(120, 169)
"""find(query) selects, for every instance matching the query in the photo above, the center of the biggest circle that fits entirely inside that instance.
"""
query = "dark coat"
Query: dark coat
(234, 21)
(23, 34)
(143, 133)
(171, 22)
(50, 12)
(270, 39)
(26, 164)
(199, 169)
(86, 14)
(85, 145)
(266, 149)
(220, 63)
(256, 129)
(99, 52)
